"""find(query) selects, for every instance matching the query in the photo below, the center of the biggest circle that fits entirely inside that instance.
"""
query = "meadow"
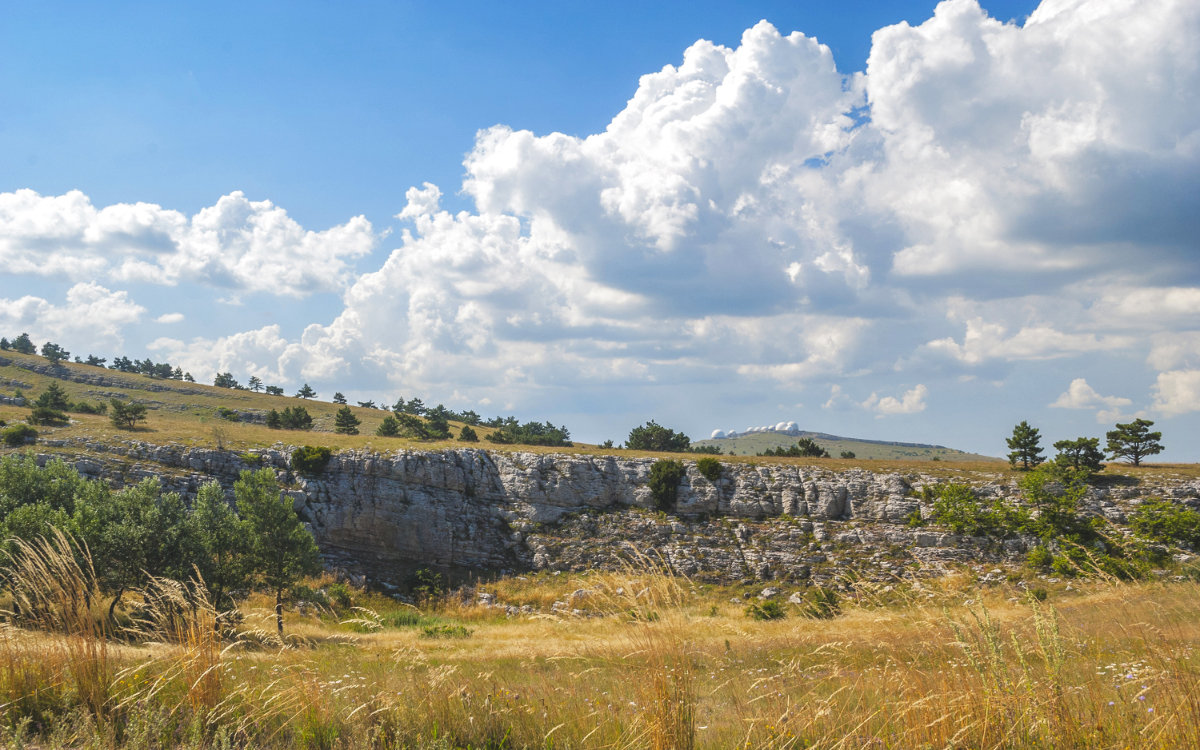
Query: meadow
(633, 659)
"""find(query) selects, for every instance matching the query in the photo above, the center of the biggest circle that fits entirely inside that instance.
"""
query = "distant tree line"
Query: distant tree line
(410, 418)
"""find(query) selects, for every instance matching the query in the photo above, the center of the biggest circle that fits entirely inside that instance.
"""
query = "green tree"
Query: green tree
(345, 423)
(654, 437)
(468, 435)
(296, 418)
(1025, 446)
(273, 390)
(5, 344)
(1134, 441)
(49, 406)
(282, 550)
(664, 481)
(389, 427)
(226, 380)
(338, 398)
(223, 545)
(804, 448)
(22, 345)
(1081, 455)
(273, 420)
(126, 415)
(136, 532)
(54, 352)
(306, 392)
(54, 397)
(254, 383)
(412, 427)
(437, 426)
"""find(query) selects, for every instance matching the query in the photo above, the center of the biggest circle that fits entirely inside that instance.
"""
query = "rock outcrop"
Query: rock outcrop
(383, 514)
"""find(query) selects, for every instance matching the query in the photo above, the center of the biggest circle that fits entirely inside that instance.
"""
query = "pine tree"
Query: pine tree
(1134, 441)
(389, 427)
(345, 422)
(1081, 454)
(1026, 447)
(23, 345)
(338, 398)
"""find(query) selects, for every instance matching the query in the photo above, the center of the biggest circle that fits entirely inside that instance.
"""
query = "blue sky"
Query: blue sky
(994, 220)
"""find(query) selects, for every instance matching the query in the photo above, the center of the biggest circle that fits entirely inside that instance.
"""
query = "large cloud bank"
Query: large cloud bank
(983, 194)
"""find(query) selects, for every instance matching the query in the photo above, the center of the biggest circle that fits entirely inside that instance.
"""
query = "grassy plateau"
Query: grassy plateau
(644, 659)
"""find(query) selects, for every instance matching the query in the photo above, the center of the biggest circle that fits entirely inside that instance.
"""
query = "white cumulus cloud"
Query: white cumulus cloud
(237, 243)
(91, 317)
(1177, 392)
(911, 402)
(1080, 395)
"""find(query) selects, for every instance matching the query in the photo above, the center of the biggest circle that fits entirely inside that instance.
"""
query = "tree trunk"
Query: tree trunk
(112, 608)
(279, 612)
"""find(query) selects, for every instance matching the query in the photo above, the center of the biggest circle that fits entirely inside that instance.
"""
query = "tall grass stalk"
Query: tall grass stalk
(181, 619)
(653, 599)
(54, 588)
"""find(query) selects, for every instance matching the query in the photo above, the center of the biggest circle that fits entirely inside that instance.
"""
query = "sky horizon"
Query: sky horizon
(895, 221)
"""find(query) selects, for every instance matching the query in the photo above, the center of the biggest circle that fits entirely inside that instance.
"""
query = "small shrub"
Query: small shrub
(468, 435)
(310, 459)
(1039, 558)
(1040, 593)
(914, 520)
(709, 468)
(768, 610)
(47, 416)
(445, 631)
(821, 603)
(426, 584)
(303, 593)
(252, 459)
(847, 454)
(340, 595)
(83, 407)
(227, 413)
(664, 483)
(405, 618)
(1167, 522)
(18, 434)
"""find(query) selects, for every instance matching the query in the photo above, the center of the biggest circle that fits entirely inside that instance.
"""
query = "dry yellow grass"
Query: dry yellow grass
(658, 663)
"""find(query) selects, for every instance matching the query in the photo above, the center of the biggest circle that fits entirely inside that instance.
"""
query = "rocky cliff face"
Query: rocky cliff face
(385, 514)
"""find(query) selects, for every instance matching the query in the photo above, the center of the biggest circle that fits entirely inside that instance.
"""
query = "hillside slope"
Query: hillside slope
(756, 442)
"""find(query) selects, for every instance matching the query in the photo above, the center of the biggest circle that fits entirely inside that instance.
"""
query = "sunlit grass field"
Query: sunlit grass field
(648, 660)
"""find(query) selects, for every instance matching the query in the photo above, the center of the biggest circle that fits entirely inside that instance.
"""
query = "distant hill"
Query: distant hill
(753, 443)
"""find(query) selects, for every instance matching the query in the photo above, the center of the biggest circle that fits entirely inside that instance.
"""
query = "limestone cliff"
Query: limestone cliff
(384, 514)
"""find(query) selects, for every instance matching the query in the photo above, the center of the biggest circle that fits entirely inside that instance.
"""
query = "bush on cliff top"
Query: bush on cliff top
(310, 459)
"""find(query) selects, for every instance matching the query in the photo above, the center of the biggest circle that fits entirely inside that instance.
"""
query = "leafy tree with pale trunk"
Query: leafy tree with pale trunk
(282, 550)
